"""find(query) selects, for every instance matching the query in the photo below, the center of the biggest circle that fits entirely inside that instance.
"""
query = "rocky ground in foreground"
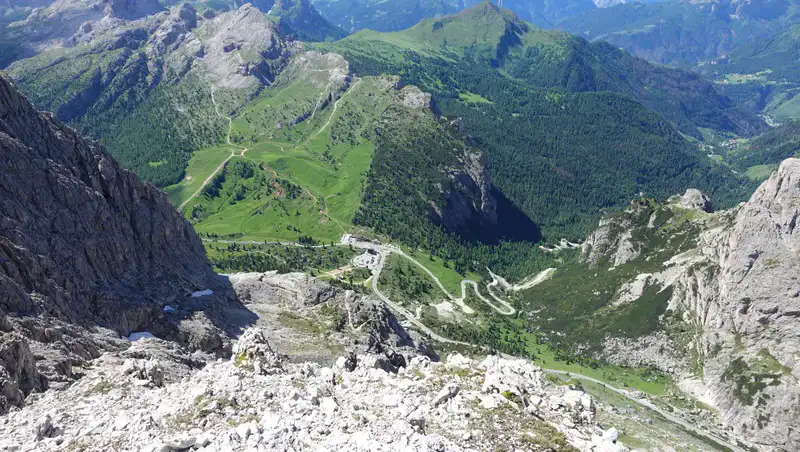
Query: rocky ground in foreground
(259, 401)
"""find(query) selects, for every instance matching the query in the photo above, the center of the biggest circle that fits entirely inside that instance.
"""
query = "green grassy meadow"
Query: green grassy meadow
(324, 158)
(201, 165)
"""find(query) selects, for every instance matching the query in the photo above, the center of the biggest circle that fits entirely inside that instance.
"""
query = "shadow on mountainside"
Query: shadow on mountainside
(513, 225)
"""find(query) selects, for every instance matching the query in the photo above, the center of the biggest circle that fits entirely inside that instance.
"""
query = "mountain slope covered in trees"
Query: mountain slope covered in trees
(560, 145)
(568, 128)
(393, 15)
(762, 75)
(144, 88)
(491, 36)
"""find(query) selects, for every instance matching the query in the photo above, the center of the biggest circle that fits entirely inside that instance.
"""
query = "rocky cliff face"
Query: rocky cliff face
(238, 50)
(310, 320)
(470, 202)
(738, 291)
(88, 253)
(54, 22)
(128, 83)
(749, 312)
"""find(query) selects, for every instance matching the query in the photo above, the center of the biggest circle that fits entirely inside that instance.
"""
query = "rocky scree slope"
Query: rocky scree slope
(734, 314)
(87, 253)
(258, 401)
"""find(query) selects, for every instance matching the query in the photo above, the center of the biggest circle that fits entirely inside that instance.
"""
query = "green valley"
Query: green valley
(551, 125)
(472, 183)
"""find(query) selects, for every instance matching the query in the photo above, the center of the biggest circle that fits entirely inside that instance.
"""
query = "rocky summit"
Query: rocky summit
(258, 401)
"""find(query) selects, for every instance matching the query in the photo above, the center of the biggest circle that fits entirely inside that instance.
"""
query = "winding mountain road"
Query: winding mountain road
(416, 322)
(507, 309)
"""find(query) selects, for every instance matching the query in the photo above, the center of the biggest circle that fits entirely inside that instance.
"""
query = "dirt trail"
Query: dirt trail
(333, 112)
(241, 153)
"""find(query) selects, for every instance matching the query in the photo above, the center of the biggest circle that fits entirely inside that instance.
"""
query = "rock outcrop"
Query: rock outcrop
(353, 404)
(471, 201)
(55, 22)
(244, 47)
(734, 314)
(132, 9)
(239, 50)
(309, 320)
(612, 240)
(88, 253)
(695, 199)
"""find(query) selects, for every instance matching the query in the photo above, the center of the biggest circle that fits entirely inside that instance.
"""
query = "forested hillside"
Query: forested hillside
(304, 21)
(562, 155)
(569, 129)
(372, 157)
(393, 15)
(490, 36)
(762, 75)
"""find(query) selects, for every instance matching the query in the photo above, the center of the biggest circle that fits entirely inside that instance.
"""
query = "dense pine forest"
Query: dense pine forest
(563, 158)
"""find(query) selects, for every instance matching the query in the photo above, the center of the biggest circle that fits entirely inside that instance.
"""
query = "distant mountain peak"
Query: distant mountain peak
(487, 8)
(304, 20)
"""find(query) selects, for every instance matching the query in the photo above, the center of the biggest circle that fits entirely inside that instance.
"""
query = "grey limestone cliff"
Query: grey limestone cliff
(735, 294)
(88, 253)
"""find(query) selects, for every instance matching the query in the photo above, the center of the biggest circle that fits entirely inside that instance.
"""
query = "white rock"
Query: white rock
(328, 406)
(417, 419)
(489, 402)
(586, 402)
(203, 440)
(121, 421)
(610, 435)
(244, 430)
(374, 410)
(572, 399)
(419, 362)
(458, 361)
(180, 443)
